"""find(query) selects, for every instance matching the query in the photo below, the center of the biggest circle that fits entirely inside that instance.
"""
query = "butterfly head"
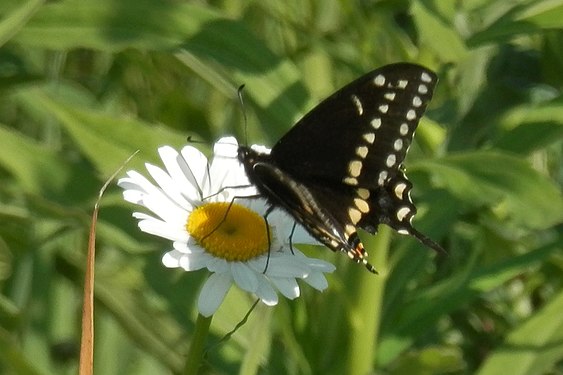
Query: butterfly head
(246, 154)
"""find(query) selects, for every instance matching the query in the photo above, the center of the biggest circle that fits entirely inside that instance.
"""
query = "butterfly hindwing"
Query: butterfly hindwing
(317, 207)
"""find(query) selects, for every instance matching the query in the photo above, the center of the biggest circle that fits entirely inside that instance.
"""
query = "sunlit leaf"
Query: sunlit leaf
(491, 178)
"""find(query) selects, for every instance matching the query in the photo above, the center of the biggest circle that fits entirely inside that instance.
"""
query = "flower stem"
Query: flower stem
(366, 306)
(195, 353)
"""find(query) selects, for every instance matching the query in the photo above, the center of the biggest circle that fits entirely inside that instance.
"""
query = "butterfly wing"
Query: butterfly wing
(339, 167)
(358, 138)
(318, 208)
(360, 135)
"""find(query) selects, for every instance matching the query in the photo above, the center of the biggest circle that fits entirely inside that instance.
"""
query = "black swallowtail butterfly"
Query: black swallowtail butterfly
(340, 167)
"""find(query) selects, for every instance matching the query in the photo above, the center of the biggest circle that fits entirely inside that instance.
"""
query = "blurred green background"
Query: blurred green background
(83, 84)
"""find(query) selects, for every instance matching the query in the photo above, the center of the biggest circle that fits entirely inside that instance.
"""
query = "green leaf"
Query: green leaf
(274, 84)
(510, 185)
(533, 347)
(528, 129)
(13, 357)
(529, 137)
(105, 139)
(442, 38)
(12, 23)
(40, 171)
(112, 26)
(531, 18)
(430, 361)
(118, 290)
(259, 346)
(422, 313)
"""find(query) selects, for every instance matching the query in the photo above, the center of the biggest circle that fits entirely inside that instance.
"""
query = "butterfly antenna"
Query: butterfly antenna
(242, 107)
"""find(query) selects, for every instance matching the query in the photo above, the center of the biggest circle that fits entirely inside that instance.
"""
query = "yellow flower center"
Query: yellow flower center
(229, 231)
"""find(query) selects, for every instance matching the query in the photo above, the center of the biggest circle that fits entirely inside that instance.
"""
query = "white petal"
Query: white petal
(287, 287)
(195, 167)
(169, 187)
(181, 169)
(213, 293)
(300, 235)
(260, 206)
(133, 196)
(224, 159)
(226, 172)
(189, 247)
(136, 181)
(195, 261)
(266, 292)
(243, 188)
(126, 183)
(259, 264)
(238, 177)
(317, 280)
(164, 208)
(244, 276)
(226, 147)
(285, 265)
(162, 229)
(171, 259)
(317, 265)
(285, 224)
(143, 216)
(218, 265)
(133, 181)
(153, 198)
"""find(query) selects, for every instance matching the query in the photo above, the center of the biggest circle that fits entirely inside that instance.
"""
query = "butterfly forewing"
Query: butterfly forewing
(359, 135)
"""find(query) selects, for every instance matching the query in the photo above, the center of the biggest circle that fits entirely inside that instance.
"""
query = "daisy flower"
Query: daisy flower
(193, 204)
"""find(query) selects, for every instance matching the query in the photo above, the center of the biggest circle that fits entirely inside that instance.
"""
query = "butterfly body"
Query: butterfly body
(340, 167)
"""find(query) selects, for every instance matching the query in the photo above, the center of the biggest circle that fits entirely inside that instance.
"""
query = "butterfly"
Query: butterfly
(340, 168)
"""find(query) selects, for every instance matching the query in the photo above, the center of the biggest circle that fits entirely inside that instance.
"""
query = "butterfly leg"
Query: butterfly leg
(227, 213)
(268, 212)
(231, 187)
(291, 237)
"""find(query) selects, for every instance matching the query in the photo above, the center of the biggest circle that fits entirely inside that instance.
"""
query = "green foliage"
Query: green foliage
(85, 83)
